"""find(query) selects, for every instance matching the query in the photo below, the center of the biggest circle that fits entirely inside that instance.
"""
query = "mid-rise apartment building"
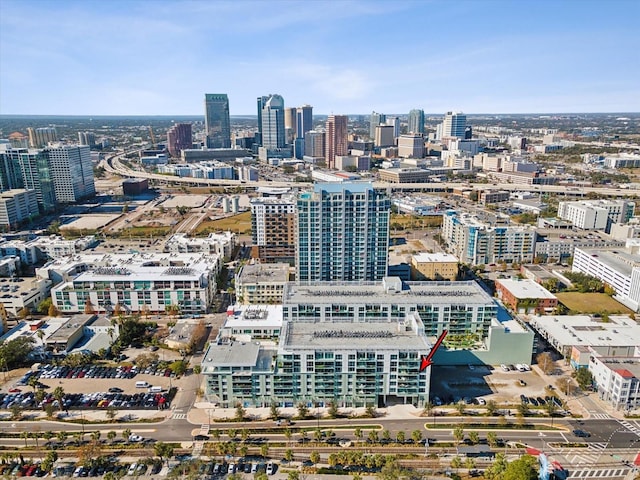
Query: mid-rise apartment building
(16, 206)
(71, 171)
(477, 242)
(142, 282)
(261, 283)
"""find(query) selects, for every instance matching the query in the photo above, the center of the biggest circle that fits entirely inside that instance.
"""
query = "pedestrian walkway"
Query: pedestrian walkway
(603, 473)
(632, 426)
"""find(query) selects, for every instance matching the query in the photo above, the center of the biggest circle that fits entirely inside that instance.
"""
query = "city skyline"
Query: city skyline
(477, 57)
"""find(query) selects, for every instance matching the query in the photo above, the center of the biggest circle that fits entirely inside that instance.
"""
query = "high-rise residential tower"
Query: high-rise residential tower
(273, 224)
(179, 138)
(272, 118)
(343, 233)
(87, 138)
(454, 125)
(375, 120)
(416, 121)
(72, 172)
(314, 144)
(336, 138)
(40, 137)
(216, 119)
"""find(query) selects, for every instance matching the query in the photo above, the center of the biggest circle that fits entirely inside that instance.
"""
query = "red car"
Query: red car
(15, 390)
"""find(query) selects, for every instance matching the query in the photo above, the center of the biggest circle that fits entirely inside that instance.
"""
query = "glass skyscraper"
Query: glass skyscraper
(272, 119)
(343, 233)
(416, 121)
(217, 123)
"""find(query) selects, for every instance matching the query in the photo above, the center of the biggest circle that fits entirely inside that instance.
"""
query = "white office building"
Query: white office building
(72, 172)
(596, 214)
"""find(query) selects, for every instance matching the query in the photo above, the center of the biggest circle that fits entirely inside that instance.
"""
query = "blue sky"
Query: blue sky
(151, 57)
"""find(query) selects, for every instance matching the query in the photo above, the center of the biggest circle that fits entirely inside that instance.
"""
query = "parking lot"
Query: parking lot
(454, 383)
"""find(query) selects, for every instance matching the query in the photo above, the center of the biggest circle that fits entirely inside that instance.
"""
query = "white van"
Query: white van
(142, 384)
(155, 389)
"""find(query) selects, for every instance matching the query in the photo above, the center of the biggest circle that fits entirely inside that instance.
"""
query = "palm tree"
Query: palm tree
(111, 436)
(48, 435)
(58, 394)
(492, 439)
(264, 450)
(416, 436)
(458, 434)
(126, 434)
(95, 436)
(62, 436)
(33, 383)
(288, 455)
(288, 434)
(400, 436)
(357, 432)
(24, 435)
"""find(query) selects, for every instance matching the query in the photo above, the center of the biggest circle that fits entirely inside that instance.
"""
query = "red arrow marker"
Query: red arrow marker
(426, 361)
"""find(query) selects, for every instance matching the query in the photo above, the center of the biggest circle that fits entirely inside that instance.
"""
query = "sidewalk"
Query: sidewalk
(206, 412)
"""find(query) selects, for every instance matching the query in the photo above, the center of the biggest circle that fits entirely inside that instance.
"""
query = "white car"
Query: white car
(135, 438)
(271, 468)
(504, 367)
(232, 468)
(132, 469)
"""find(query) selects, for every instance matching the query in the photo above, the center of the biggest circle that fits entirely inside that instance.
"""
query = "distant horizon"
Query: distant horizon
(160, 58)
(248, 115)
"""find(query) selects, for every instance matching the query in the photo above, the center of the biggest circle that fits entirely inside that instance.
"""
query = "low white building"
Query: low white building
(617, 268)
(261, 283)
(247, 322)
(19, 293)
(221, 244)
(572, 335)
(596, 214)
(617, 380)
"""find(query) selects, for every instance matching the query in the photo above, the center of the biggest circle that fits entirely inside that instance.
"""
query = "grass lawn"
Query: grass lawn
(415, 221)
(241, 223)
(591, 303)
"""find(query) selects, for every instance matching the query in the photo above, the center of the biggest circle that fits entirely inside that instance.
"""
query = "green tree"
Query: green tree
(24, 436)
(416, 436)
(474, 437)
(264, 450)
(303, 410)
(126, 433)
(583, 377)
(314, 457)
(241, 413)
(545, 362)
(111, 436)
(460, 407)
(370, 411)
(333, 411)
(458, 434)
(357, 432)
(16, 412)
(491, 408)
(373, 436)
(524, 468)
(163, 450)
(112, 413)
(62, 436)
(288, 455)
(274, 411)
(43, 306)
(492, 439)
(400, 436)
(58, 394)
(288, 434)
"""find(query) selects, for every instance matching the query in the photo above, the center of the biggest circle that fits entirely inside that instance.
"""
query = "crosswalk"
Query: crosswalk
(603, 473)
(197, 449)
(590, 456)
(631, 426)
(179, 416)
(600, 416)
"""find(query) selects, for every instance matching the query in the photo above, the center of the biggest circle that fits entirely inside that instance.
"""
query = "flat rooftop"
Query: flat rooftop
(467, 293)
(264, 273)
(435, 258)
(254, 316)
(627, 367)
(617, 259)
(351, 336)
(577, 330)
(238, 354)
(525, 288)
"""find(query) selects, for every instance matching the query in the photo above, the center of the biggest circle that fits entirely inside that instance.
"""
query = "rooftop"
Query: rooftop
(586, 330)
(525, 288)
(351, 336)
(254, 316)
(435, 257)
(264, 273)
(616, 259)
(237, 354)
(466, 293)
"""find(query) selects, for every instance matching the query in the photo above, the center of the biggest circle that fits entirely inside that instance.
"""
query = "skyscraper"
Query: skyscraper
(260, 102)
(336, 139)
(395, 123)
(314, 143)
(273, 222)
(454, 125)
(290, 124)
(343, 233)
(71, 171)
(304, 120)
(216, 119)
(179, 138)
(375, 120)
(273, 132)
(416, 121)
(30, 169)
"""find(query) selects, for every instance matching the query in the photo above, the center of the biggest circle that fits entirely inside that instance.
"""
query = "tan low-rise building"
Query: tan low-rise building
(434, 266)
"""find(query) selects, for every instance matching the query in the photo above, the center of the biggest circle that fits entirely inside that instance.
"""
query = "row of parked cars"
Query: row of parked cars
(539, 401)
(114, 398)
(87, 371)
(118, 469)
(18, 469)
(212, 469)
